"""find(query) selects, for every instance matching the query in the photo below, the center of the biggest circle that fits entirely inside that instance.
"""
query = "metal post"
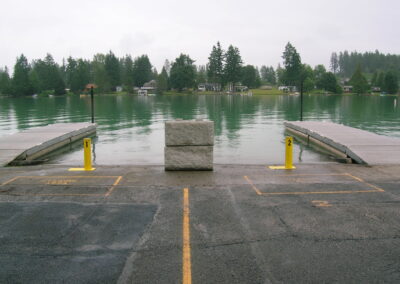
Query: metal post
(301, 100)
(92, 102)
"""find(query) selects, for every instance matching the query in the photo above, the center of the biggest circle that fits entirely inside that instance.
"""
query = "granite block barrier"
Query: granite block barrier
(189, 145)
(188, 158)
(189, 133)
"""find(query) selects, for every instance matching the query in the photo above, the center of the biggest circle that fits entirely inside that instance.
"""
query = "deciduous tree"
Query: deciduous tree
(182, 73)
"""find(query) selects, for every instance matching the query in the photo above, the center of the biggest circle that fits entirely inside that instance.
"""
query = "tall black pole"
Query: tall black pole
(301, 100)
(92, 102)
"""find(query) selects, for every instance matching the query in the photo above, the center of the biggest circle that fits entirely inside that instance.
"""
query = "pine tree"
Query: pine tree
(5, 82)
(128, 74)
(334, 62)
(391, 83)
(20, 84)
(162, 81)
(113, 71)
(215, 66)
(292, 64)
(142, 70)
(233, 65)
(359, 82)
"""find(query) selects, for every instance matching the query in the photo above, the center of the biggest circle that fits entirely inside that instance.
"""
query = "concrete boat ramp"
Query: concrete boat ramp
(361, 146)
(36, 142)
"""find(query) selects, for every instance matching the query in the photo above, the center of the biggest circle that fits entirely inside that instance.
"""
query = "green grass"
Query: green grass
(273, 91)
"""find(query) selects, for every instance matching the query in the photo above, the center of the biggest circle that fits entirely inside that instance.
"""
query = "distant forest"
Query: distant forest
(224, 68)
(345, 63)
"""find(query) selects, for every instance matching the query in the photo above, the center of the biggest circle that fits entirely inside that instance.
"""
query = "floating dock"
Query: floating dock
(34, 143)
(361, 146)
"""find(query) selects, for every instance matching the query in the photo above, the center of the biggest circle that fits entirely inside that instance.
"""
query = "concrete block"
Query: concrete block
(189, 133)
(188, 158)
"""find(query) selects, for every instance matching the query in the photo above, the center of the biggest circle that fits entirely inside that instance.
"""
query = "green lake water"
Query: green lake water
(248, 129)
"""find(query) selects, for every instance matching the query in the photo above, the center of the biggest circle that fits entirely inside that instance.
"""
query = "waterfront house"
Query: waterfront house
(347, 89)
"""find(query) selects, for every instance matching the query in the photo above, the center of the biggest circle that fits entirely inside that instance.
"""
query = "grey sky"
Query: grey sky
(164, 29)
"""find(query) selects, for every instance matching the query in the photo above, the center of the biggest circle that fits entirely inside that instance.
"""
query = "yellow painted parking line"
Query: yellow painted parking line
(370, 185)
(9, 181)
(374, 188)
(64, 180)
(321, 203)
(186, 254)
(113, 186)
(252, 185)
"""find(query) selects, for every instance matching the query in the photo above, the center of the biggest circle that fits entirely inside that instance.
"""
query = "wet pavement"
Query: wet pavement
(244, 224)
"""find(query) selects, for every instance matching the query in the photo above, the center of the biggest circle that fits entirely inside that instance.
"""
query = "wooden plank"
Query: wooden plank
(36, 142)
(362, 146)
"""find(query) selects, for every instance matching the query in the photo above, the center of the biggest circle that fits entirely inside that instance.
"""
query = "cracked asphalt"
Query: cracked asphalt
(248, 224)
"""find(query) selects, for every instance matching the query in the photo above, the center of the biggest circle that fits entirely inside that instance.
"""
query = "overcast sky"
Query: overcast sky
(163, 29)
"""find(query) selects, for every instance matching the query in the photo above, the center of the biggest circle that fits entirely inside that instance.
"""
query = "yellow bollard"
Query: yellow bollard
(87, 157)
(87, 154)
(289, 153)
(288, 156)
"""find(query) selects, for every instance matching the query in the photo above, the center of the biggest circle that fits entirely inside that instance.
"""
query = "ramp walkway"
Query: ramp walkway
(361, 146)
(34, 143)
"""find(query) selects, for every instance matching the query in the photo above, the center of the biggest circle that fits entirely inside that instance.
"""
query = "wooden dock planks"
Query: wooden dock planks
(35, 142)
(362, 146)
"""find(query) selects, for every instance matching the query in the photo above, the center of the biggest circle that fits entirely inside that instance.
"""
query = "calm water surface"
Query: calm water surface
(248, 130)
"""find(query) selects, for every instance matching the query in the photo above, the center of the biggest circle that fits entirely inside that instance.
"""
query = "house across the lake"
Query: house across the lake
(347, 89)
(213, 87)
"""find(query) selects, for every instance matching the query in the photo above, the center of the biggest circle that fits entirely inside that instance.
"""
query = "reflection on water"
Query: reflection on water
(247, 129)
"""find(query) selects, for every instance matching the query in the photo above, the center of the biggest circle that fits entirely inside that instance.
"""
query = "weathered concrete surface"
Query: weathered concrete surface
(61, 227)
(362, 146)
(35, 142)
(188, 158)
(189, 133)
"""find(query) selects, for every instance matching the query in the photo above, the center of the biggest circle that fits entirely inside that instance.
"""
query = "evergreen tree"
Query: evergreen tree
(374, 79)
(46, 76)
(20, 84)
(142, 70)
(112, 68)
(250, 77)
(391, 83)
(5, 82)
(268, 75)
(215, 66)
(162, 81)
(292, 64)
(380, 80)
(308, 78)
(182, 73)
(201, 74)
(78, 74)
(100, 77)
(281, 75)
(334, 62)
(167, 66)
(233, 65)
(128, 74)
(359, 82)
(319, 72)
(328, 82)
(264, 73)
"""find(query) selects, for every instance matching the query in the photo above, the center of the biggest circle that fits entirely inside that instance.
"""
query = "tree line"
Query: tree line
(345, 63)
(225, 68)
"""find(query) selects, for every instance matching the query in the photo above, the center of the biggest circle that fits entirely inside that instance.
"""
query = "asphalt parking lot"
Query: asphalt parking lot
(237, 224)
